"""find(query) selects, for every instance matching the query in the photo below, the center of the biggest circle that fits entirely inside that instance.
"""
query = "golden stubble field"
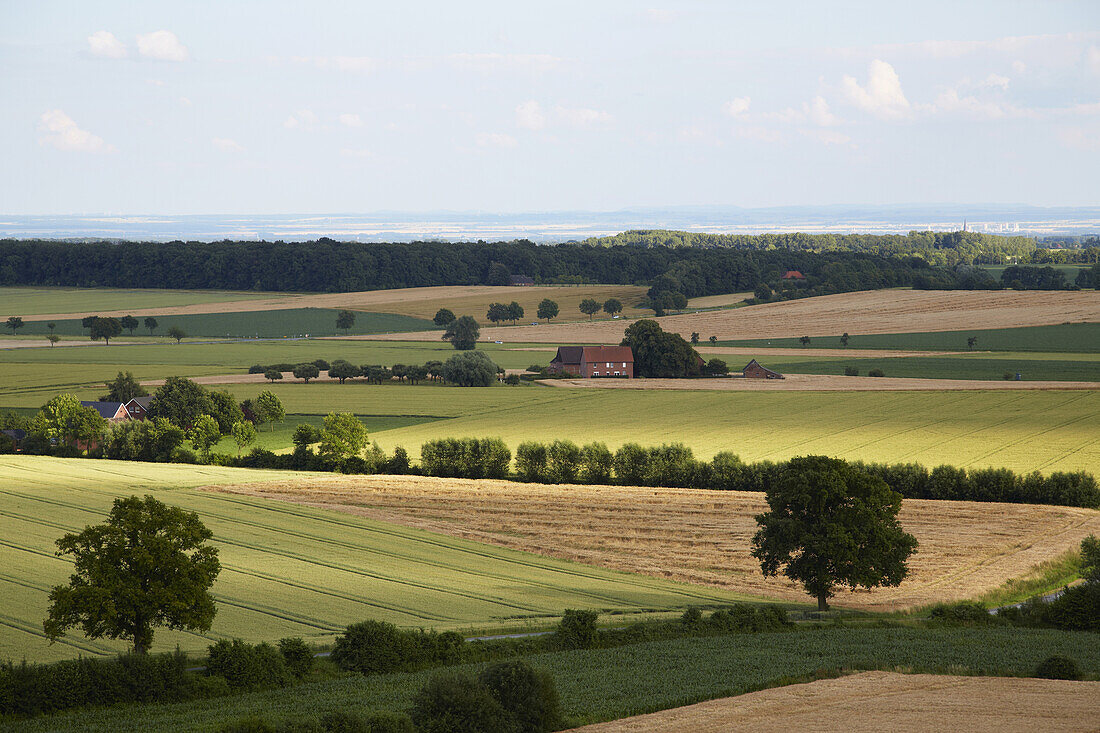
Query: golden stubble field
(886, 701)
(866, 312)
(966, 548)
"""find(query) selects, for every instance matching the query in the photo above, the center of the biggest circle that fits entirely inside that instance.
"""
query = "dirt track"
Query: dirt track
(966, 548)
(816, 383)
(886, 701)
(867, 312)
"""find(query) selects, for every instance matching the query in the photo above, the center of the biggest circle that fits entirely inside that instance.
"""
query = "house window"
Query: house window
(608, 365)
(624, 364)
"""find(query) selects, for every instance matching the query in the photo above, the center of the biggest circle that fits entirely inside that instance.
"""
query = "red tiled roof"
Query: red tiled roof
(794, 275)
(586, 354)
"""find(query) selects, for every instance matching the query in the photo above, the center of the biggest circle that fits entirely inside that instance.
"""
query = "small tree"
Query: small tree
(462, 333)
(1090, 559)
(515, 312)
(177, 333)
(589, 306)
(762, 292)
(345, 319)
(611, 306)
(716, 368)
(14, 323)
(151, 324)
(830, 523)
(148, 565)
(204, 434)
(497, 312)
(105, 328)
(129, 323)
(51, 325)
(305, 435)
(844, 339)
(443, 317)
(270, 408)
(273, 374)
(694, 338)
(306, 372)
(971, 342)
(472, 369)
(343, 370)
(244, 434)
(53, 338)
(804, 340)
(124, 388)
(342, 436)
(547, 309)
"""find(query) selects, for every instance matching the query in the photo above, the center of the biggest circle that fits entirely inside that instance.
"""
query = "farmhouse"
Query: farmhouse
(594, 361)
(138, 407)
(521, 280)
(754, 370)
(112, 412)
(793, 275)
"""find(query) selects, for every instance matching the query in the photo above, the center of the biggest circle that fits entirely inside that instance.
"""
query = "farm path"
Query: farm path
(878, 701)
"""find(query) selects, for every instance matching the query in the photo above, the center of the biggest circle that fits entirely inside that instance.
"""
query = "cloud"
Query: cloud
(303, 118)
(529, 115)
(581, 116)
(496, 140)
(758, 133)
(815, 112)
(350, 120)
(995, 80)
(950, 101)
(829, 137)
(737, 106)
(505, 61)
(1080, 138)
(104, 44)
(226, 145)
(882, 96)
(1019, 66)
(162, 46)
(56, 129)
(359, 64)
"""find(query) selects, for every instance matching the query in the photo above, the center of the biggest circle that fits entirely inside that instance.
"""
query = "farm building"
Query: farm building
(754, 370)
(594, 361)
(139, 406)
(793, 275)
(112, 412)
(521, 280)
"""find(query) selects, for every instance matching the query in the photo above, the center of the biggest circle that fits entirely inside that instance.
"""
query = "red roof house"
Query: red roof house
(755, 370)
(594, 361)
(793, 275)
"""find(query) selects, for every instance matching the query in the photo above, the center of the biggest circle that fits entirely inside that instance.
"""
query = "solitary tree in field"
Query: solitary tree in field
(589, 306)
(971, 342)
(244, 434)
(306, 372)
(148, 565)
(345, 320)
(713, 340)
(547, 309)
(694, 338)
(844, 339)
(129, 323)
(443, 317)
(831, 524)
(151, 324)
(177, 333)
(53, 338)
(14, 323)
(462, 333)
(804, 340)
(272, 375)
(105, 328)
(51, 325)
(497, 312)
(611, 306)
(342, 436)
(515, 312)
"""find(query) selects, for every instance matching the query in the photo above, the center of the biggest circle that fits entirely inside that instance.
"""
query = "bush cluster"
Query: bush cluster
(377, 647)
(248, 666)
(334, 722)
(508, 697)
(465, 458)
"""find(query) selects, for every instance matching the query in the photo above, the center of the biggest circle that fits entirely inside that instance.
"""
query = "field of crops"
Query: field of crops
(291, 570)
(1038, 367)
(30, 301)
(607, 684)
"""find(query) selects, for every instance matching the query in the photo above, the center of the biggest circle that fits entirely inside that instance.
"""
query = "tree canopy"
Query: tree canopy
(471, 369)
(343, 436)
(462, 333)
(105, 328)
(443, 317)
(64, 420)
(658, 353)
(148, 565)
(547, 309)
(832, 524)
(345, 319)
(589, 306)
(124, 388)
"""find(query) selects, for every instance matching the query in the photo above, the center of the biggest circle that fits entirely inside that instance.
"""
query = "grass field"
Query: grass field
(967, 549)
(292, 570)
(1071, 367)
(30, 301)
(607, 684)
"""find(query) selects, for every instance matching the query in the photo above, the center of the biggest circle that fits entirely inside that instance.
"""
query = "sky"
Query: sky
(324, 107)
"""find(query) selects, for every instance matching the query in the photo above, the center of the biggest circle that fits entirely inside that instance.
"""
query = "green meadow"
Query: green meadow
(290, 570)
(29, 301)
(1030, 367)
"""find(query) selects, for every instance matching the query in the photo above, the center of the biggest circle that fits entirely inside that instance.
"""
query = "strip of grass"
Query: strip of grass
(1046, 577)
(26, 301)
(1067, 337)
(607, 684)
(280, 437)
(948, 367)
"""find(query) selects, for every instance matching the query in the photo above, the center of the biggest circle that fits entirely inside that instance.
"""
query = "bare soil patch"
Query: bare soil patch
(866, 312)
(886, 701)
(818, 383)
(966, 548)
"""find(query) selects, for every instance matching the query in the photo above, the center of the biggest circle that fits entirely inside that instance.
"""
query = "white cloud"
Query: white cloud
(161, 45)
(1019, 66)
(104, 43)
(504, 61)
(829, 137)
(496, 140)
(58, 130)
(950, 101)
(815, 112)
(737, 106)
(1092, 59)
(581, 116)
(758, 133)
(882, 96)
(350, 120)
(359, 64)
(303, 118)
(226, 145)
(996, 80)
(529, 115)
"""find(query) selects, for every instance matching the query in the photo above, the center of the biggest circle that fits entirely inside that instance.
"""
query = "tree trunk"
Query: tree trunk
(822, 602)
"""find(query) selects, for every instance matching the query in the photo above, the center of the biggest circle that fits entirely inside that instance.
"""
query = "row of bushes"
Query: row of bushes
(1076, 608)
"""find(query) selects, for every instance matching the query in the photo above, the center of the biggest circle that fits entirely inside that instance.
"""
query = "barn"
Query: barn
(594, 361)
(754, 370)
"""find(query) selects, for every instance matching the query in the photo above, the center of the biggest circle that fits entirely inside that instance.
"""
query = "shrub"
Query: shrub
(745, 619)
(512, 379)
(183, 455)
(727, 472)
(528, 696)
(1058, 668)
(458, 704)
(596, 463)
(399, 464)
(577, 629)
(563, 462)
(966, 613)
(1077, 609)
(257, 369)
(692, 618)
(465, 458)
(875, 373)
(247, 667)
(851, 371)
(531, 460)
(630, 463)
(297, 655)
(371, 647)
(470, 369)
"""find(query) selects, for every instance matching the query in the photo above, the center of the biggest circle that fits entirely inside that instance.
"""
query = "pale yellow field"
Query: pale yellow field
(867, 312)
(886, 701)
(966, 548)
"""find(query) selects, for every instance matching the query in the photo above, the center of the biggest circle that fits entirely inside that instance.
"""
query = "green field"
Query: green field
(289, 570)
(33, 301)
(1068, 337)
(1031, 367)
(291, 322)
(606, 684)
(281, 437)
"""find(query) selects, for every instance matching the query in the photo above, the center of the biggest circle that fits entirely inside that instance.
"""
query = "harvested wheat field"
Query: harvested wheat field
(471, 300)
(866, 312)
(816, 383)
(886, 701)
(966, 548)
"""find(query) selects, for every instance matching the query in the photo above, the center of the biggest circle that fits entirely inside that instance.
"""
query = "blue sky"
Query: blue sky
(300, 107)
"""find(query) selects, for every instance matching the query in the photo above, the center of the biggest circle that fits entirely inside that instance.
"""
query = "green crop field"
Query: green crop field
(1031, 367)
(291, 322)
(289, 570)
(31, 301)
(281, 437)
(607, 684)
(1067, 337)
